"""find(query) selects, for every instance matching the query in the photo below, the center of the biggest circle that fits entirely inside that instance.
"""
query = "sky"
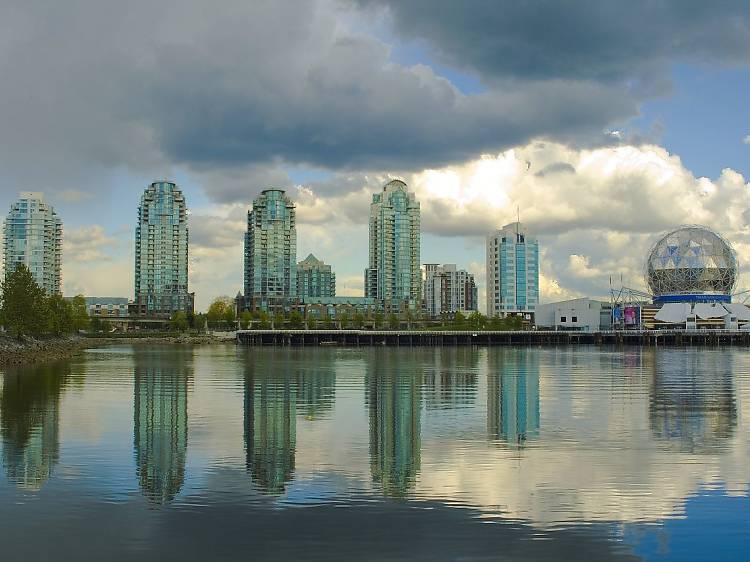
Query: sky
(605, 125)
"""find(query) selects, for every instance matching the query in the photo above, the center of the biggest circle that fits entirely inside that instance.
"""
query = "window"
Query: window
(563, 318)
(574, 319)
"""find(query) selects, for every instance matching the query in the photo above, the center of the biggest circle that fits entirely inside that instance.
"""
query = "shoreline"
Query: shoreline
(28, 351)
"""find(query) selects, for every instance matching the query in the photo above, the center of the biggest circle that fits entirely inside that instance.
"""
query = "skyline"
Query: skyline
(601, 154)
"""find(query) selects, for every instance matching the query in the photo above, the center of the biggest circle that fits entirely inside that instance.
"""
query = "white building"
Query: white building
(585, 315)
(512, 271)
(448, 289)
(33, 237)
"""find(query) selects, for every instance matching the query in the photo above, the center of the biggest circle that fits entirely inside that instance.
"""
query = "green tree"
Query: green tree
(278, 321)
(477, 321)
(246, 319)
(359, 320)
(179, 321)
(217, 310)
(24, 305)
(80, 313)
(229, 315)
(59, 315)
(459, 321)
(96, 324)
(296, 320)
(343, 321)
(199, 322)
(393, 322)
(378, 320)
(264, 320)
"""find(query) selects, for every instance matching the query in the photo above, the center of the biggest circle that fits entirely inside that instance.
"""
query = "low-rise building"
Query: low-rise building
(107, 307)
(584, 315)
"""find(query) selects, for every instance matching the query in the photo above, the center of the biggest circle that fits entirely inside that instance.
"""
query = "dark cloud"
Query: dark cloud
(556, 168)
(244, 89)
(606, 40)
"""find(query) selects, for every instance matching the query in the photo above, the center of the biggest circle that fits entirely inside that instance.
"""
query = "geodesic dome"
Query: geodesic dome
(691, 260)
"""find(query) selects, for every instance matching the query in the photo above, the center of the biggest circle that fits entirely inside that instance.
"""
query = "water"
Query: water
(220, 453)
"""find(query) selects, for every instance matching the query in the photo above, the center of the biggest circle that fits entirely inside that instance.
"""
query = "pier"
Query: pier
(426, 338)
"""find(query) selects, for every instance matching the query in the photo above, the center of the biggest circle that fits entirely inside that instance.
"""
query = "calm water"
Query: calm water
(218, 453)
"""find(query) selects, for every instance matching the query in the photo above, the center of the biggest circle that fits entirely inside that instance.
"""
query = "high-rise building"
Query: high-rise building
(270, 251)
(33, 237)
(512, 271)
(448, 290)
(315, 278)
(161, 252)
(394, 277)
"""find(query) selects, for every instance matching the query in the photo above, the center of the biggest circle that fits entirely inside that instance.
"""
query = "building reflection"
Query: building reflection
(692, 404)
(270, 425)
(316, 387)
(160, 420)
(451, 381)
(393, 391)
(29, 422)
(512, 395)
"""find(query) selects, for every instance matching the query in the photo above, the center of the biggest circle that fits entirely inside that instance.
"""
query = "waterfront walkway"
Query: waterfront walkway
(417, 338)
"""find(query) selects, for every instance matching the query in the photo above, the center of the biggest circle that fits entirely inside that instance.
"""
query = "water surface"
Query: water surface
(221, 453)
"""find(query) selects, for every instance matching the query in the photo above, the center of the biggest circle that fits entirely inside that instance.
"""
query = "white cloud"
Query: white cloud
(746, 140)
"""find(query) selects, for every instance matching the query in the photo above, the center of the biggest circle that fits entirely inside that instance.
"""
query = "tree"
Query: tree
(96, 324)
(393, 322)
(378, 320)
(24, 305)
(343, 321)
(459, 321)
(199, 322)
(359, 320)
(477, 321)
(80, 313)
(296, 321)
(59, 315)
(246, 319)
(264, 320)
(278, 321)
(179, 321)
(229, 315)
(217, 311)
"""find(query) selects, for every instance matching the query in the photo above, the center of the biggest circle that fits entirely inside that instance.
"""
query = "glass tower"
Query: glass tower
(270, 251)
(161, 252)
(394, 276)
(512, 271)
(315, 278)
(33, 237)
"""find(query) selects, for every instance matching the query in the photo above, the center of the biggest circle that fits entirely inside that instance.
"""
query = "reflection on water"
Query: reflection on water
(692, 405)
(513, 396)
(160, 420)
(568, 453)
(29, 422)
(393, 399)
(270, 425)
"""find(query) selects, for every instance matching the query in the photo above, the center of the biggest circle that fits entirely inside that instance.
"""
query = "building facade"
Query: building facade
(448, 290)
(315, 278)
(512, 271)
(107, 307)
(161, 252)
(33, 237)
(393, 275)
(271, 252)
(584, 315)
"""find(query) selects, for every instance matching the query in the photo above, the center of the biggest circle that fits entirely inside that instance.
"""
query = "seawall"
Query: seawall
(415, 338)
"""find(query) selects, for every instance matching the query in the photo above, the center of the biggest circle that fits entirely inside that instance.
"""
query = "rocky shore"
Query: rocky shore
(27, 350)
(16, 351)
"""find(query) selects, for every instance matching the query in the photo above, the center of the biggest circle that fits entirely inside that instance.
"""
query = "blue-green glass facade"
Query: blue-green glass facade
(271, 252)
(512, 271)
(315, 278)
(393, 275)
(161, 252)
(33, 237)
